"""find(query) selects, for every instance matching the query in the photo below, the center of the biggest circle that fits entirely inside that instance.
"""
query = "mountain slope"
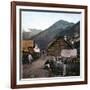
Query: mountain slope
(31, 32)
(75, 29)
(45, 37)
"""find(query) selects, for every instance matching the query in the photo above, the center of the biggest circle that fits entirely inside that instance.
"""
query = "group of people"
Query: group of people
(55, 65)
(62, 66)
(28, 57)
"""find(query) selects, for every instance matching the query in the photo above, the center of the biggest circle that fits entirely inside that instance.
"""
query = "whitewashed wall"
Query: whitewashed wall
(5, 44)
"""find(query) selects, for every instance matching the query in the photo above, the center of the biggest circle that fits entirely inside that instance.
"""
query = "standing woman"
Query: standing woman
(30, 58)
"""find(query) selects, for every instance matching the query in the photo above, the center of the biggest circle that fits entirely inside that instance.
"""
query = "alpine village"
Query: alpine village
(54, 52)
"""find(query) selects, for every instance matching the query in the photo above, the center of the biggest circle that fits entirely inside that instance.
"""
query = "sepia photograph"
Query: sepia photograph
(50, 43)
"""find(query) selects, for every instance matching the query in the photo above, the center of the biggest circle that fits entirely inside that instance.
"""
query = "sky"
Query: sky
(43, 20)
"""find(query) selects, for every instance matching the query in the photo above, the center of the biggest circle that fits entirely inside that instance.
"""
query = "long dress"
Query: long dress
(30, 58)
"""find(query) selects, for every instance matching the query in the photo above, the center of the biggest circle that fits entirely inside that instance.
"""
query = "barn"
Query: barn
(27, 45)
(56, 46)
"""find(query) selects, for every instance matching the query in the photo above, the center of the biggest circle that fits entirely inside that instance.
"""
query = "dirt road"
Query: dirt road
(35, 69)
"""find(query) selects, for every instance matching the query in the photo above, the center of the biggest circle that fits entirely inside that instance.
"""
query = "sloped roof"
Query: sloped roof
(27, 43)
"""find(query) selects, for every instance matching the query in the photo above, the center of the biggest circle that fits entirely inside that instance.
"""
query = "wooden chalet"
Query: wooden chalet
(55, 47)
(27, 45)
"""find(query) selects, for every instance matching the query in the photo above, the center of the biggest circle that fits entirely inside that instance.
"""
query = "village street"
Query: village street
(35, 69)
